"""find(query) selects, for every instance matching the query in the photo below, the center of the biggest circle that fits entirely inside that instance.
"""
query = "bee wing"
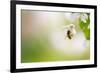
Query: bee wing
(65, 32)
(74, 31)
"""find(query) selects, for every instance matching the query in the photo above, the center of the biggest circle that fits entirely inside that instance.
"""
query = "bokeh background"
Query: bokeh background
(43, 36)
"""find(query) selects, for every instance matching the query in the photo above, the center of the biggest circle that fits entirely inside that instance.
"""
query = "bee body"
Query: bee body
(69, 35)
(71, 31)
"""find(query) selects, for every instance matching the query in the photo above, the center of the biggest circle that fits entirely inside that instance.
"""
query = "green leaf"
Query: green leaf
(84, 27)
(87, 33)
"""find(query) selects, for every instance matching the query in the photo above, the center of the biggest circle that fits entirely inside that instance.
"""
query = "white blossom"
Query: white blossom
(84, 17)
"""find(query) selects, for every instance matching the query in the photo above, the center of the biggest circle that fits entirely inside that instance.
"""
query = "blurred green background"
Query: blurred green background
(43, 38)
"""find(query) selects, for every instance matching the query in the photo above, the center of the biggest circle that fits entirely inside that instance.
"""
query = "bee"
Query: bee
(71, 31)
